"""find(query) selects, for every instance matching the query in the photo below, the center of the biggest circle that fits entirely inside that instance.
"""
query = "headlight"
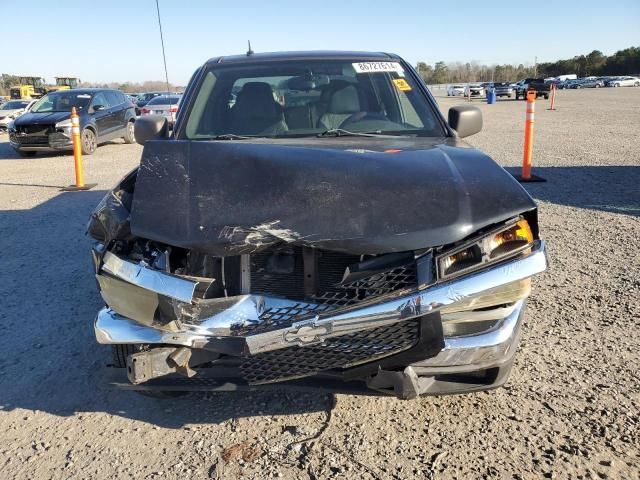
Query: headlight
(490, 248)
(64, 124)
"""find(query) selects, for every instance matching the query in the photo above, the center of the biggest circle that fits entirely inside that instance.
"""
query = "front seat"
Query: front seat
(256, 112)
(342, 104)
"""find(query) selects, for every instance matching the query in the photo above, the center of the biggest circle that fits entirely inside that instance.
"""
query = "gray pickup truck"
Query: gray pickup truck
(312, 220)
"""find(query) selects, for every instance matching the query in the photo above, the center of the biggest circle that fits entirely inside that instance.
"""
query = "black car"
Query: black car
(313, 220)
(144, 98)
(104, 115)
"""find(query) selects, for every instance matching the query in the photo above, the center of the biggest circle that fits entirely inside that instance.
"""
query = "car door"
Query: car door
(118, 110)
(101, 113)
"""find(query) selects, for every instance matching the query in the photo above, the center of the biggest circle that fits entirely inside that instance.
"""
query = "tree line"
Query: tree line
(623, 62)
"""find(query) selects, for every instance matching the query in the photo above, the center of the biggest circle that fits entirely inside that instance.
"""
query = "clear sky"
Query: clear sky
(118, 40)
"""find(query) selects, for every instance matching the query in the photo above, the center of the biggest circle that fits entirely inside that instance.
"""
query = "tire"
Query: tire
(161, 394)
(120, 352)
(616, 85)
(129, 136)
(24, 154)
(89, 141)
(546, 97)
(597, 85)
(637, 84)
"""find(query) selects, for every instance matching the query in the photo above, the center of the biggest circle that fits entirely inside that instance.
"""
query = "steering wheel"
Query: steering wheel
(360, 116)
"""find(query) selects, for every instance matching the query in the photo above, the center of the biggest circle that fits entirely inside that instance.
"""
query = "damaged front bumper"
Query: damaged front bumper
(449, 337)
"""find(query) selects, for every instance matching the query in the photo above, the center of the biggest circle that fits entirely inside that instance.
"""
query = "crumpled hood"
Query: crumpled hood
(346, 194)
(48, 118)
(6, 113)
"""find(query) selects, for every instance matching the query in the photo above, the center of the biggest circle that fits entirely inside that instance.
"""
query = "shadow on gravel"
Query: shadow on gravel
(614, 189)
(50, 360)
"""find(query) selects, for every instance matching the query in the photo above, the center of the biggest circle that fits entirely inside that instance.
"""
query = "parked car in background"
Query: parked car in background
(503, 89)
(455, 90)
(541, 88)
(625, 82)
(144, 98)
(13, 109)
(474, 90)
(267, 243)
(562, 84)
(104, 115)
(166, 105)
(590, 83)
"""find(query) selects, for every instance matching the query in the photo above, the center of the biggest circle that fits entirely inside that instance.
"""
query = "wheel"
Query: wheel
(161, 394)
(120, 352)
(616, 84)
(637, 84)
(89, 141)
(129, 136)
(597, 85)
(22, 153)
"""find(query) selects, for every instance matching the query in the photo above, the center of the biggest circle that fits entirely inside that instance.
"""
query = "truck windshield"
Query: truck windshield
(299, 98)
(61, 102)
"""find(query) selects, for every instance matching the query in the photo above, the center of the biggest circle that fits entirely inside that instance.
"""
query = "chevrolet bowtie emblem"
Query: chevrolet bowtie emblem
(307, 334)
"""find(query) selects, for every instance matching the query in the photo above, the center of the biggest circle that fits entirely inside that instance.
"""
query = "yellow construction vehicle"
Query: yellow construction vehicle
(30, 87)
(64, 83)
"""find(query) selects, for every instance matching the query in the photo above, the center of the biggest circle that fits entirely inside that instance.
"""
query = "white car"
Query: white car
(476, 90)
(625, 82)
(454, 90)
(12, 110)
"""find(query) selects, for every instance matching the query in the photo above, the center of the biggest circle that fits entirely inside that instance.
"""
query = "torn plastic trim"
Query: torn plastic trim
(112, 328)
(154, 280)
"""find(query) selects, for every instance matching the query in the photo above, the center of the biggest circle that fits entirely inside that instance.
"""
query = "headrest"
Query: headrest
(256, 99)
(345, 100)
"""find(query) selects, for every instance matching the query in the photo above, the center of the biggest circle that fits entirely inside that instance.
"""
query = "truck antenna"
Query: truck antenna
(249, 52)
(164, 58)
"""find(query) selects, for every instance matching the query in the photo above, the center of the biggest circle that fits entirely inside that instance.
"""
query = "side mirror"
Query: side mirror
(150, 127)
(97, 108)
(465, 120)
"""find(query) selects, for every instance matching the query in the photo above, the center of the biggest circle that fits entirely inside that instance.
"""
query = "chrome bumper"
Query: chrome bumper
(465, 293)
(493, 348)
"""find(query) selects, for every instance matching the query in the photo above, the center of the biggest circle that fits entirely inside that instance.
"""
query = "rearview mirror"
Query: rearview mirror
(150, 127)
(465, 120)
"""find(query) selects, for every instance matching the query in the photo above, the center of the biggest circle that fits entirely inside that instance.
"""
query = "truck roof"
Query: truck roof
(309, 55)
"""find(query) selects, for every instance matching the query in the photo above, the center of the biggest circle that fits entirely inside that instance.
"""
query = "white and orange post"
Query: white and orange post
(553, 95)
(77, 154)
(527, 155)
(77, 147)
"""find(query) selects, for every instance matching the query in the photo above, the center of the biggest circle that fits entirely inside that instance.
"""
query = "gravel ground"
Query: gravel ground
(570, 410)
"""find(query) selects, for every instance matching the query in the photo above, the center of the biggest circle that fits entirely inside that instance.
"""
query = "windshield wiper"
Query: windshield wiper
(339, 132)
(231, 136)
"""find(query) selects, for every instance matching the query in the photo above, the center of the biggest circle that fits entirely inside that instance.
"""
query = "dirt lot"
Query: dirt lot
(570, 410)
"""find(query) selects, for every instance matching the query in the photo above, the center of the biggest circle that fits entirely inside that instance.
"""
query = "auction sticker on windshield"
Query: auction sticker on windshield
(372, 67)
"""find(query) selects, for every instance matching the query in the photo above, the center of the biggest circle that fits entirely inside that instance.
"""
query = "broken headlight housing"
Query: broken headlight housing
(490, 248)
